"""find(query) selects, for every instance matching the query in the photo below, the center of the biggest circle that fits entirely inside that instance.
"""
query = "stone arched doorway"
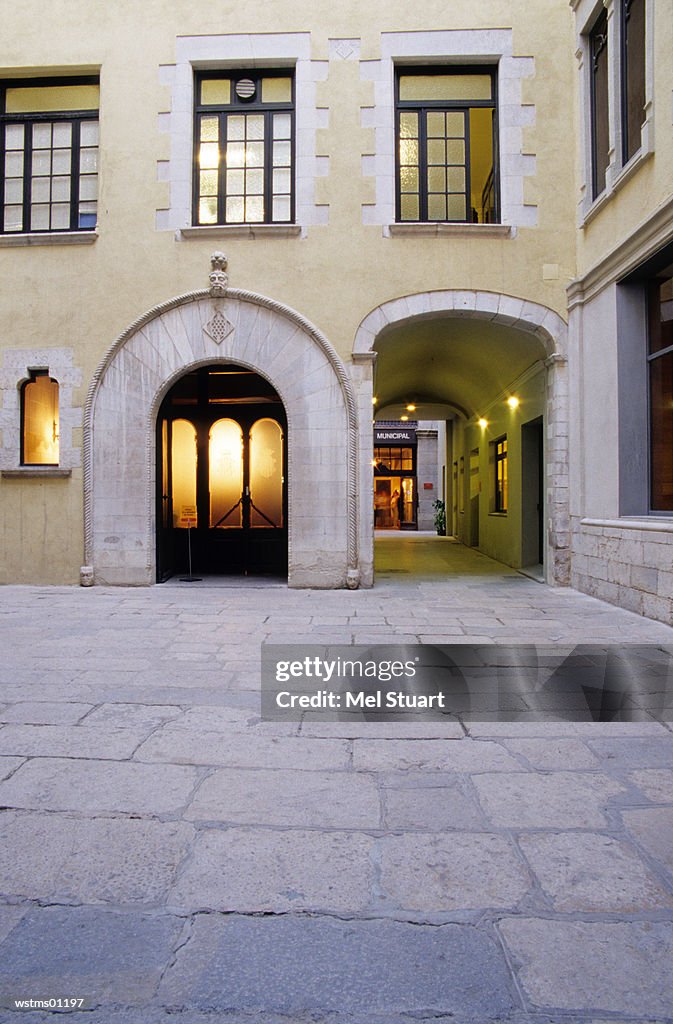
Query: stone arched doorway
(423, 330)
(227, 326)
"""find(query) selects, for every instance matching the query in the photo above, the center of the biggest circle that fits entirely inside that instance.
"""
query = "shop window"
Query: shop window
(48, 154)
(501, 488)
(39, 421)
(244, 148)
(446, 145)
(387, 459)
(600, 135)
(633, 75)
(660, 360)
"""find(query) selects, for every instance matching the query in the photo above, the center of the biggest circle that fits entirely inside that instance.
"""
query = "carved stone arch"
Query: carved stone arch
(518, 314)
(119, 454)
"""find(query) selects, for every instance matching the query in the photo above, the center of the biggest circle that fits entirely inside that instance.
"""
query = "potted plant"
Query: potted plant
(440, 517)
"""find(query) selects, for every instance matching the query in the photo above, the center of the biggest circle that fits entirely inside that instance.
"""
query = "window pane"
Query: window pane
(409, 209)
(209, 155)
(455, 125)
(13, 190)
(14, 163)
(436, 207)
(599, 103)
(408, 125)
(282, 126)
(61, 161)
(457, 209)
(482, 195)
(234, 210)
(661, 314)
(42, 136)
(88, 133)
(408, 151)
(88, 160)
(225, 467)
(235, 154)
(41, 161)
(276, 90)
(437, 151)
(40, 422)
(254, 182)
(87, 215)
(63, 135)
(207, 183)
(445, 87)
(633, 113)
(436, 123)
(281, 180)
(44, 99)
(661, 432)
(183, 457)
(409, 179)
(60, 216)
(14, 136)
(60, 189)
(281, 154)
(39, 218)
(254, 154)
(266, 474)
(13, 218)
(255, 126)
(208, 211)
(216, 90)
(236, 128)
(235, 183)
(437, 179)
(456, 179)
(281, 208)
(254, 209)
(210, 129)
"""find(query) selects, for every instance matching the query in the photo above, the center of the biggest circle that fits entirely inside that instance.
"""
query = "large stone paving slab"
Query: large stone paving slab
(623, 968)
(300, 966)
(177, 745)
(93, 954)
(460, 871)
(59, 859)
(432, 755)
(59, 784)
(288, 798)
(652, 829)
(265, 870)
(558, 800)
(70, 741)
(431, 803)
(655, 783)
(593, 873)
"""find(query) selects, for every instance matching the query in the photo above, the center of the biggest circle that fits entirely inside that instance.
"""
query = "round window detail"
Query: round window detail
(245, 89)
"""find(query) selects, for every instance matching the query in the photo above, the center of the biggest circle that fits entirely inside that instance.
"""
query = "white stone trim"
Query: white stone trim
(48, 238)
(17, 364)
(453, 46)
(228, 51)
(617, 173)
(120, 433)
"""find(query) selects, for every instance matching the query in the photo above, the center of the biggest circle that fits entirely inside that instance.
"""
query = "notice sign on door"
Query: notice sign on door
(187, 516)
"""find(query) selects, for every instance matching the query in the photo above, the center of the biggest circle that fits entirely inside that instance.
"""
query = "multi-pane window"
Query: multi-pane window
(39, 420)
(446, 144)
(633, 75)
(48, 154)
(500, 453)
(600, 135)
(660, 360)
(244, 148)
(399, 459)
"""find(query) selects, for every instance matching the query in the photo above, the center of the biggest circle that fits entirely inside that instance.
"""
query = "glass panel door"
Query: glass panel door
(183, 459)
(408, 510)
(266, 474)
(225, 462)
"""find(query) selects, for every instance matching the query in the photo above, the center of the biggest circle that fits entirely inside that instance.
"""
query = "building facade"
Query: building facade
(231, 240)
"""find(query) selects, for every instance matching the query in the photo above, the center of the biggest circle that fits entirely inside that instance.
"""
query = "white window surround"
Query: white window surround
(452, 46)
(240, 51)
(48, 238)
(617, 173)
(15, 370)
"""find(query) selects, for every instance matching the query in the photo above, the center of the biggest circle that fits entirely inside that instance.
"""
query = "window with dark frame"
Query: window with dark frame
(660, 359)
(600, 133)
(633, 75)
(244, 147)
(446, 145)
(48, 154)
(500, 454)
(39, 420)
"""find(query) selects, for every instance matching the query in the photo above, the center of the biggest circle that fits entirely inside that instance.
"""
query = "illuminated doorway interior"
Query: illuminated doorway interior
(221, 446)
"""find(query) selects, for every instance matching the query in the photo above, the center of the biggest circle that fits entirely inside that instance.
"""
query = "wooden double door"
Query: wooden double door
(222, 488)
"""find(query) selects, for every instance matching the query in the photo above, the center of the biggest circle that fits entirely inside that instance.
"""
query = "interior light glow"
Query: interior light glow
(411, 407)
(374, 400)
(482, 423)
(513, 402)
(404, 418)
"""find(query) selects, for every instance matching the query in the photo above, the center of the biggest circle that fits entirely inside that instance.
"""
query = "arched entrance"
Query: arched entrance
(221, 475)
(204, 328)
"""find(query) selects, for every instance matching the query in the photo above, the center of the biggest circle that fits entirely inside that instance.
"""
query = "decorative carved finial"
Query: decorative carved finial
(218, 278)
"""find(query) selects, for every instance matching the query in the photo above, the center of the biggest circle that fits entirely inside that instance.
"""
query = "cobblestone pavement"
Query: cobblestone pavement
(167, 856)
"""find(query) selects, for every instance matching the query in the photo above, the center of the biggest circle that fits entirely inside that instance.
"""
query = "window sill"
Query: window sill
(618, 182)
(497, 515)
(34, 472)
(50, 238)
(451, 230)
(239, 231)
(658, 522)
